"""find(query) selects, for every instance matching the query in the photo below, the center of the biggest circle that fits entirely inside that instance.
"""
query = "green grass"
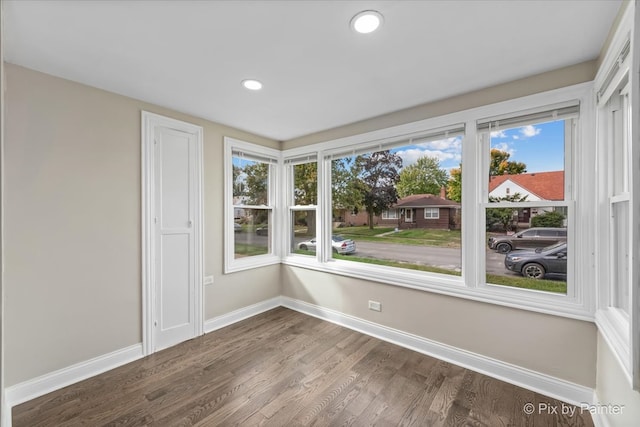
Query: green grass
(495, 279)
(522, 282)
(414, 236)
(244, 250)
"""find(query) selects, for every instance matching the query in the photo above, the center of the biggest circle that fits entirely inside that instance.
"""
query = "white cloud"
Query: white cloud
(529, 131)
(412, 155)
(503, 146)
(498, 134)
(443, 144)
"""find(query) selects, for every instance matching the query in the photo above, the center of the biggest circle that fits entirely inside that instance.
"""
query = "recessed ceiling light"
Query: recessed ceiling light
(366, 22)
(252, 84)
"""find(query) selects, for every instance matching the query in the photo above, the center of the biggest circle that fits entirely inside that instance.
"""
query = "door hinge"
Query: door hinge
(155, 323)
(155, 220)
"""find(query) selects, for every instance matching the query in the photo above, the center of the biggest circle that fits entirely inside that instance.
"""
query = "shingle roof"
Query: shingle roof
(545, 185)
(425, 200)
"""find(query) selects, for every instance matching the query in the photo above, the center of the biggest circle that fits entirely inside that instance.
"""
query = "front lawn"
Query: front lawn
(414, 236)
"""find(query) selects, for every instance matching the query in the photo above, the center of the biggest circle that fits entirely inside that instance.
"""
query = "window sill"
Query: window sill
(241, 264)
(454, 286)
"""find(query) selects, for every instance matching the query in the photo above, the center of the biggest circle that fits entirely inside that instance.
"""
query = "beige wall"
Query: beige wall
(556, 346)
(556, 79)
(72, 206)
(613, 388)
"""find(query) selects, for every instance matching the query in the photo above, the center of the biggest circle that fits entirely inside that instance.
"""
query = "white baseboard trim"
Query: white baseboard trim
(241, 314)
(599, 420)
(56, 380)
(535, 381)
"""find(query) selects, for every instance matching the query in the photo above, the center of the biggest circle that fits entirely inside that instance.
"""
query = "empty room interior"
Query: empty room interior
(255, 213)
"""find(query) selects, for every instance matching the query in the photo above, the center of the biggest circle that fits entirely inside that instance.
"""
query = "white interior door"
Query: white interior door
(174, 301)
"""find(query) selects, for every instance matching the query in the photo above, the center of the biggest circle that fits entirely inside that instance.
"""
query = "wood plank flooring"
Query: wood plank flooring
(283, 368)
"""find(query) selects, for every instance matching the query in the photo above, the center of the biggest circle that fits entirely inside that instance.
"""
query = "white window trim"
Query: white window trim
(619, 330)
(432, 217)
(471, 284)
(231, 264)
(385, 214)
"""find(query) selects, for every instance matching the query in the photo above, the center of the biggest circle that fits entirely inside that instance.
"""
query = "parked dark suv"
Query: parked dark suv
(539, 237)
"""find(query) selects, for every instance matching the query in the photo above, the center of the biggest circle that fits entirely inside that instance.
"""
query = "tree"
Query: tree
(548, 219)
(500, 164)
(377, 178)
(454, 186)
(506, 217)
(346, 188)
(422, 177)
(305, 192)
(256, 183)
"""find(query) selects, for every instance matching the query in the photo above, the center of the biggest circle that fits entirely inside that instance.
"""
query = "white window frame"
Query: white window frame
(579, 305)
(288, 165)
(231, 263)
(431, 216)
(385, 214)
(620, 330)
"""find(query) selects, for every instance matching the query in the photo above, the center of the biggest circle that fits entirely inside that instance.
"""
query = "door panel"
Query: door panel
(175, 264)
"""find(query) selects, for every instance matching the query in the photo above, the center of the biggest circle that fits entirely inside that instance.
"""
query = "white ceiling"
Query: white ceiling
(192, 55)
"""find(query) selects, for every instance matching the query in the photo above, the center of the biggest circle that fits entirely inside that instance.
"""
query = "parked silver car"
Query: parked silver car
(339, 245)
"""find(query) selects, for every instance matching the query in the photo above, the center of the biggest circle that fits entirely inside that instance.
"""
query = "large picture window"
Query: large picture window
(399, 189)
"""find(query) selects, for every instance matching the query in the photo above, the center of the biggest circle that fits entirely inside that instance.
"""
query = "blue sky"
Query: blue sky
(539, 146)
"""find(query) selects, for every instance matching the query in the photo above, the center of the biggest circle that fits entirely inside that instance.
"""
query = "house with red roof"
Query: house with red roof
(537, 186)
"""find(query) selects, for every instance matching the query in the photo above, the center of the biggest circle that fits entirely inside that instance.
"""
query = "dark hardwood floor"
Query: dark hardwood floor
(283, 368)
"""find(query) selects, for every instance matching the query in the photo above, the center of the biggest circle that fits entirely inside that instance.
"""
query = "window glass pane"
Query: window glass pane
(401, 207)
(252, 234)
(527, 163)
(620, 255)
(527, 248)
(305, 188)
(303, 232)
(250, 182)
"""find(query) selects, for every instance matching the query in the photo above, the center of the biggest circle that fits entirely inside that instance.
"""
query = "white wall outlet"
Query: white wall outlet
(375, 306)
(208, 280)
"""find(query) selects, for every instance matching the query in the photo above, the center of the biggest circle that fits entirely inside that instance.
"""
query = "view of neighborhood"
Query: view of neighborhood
(401, 207)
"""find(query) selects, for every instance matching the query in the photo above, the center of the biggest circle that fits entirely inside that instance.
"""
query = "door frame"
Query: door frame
(149, 123)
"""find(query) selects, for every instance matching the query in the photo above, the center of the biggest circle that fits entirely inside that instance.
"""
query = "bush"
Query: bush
(548, 219)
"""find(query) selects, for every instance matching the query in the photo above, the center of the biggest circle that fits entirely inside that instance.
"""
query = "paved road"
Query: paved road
(447, 258)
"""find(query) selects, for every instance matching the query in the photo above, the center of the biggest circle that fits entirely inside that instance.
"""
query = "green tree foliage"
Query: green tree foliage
(257, 183)
(378, 174)
(346, 188)
(305, 192)
(507, 218)
(548, 219)
(454, 186)
(500, 164)
(422, 177)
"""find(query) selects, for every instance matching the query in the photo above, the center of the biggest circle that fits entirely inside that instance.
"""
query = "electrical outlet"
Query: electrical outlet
(208, 280)
(375, 306)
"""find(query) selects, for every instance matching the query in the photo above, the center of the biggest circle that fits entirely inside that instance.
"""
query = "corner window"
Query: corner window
(250, 181)
(393, 206)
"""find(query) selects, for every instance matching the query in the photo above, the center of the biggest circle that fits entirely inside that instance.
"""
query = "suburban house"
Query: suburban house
(538, 186)
(422, 211)
(124, 300)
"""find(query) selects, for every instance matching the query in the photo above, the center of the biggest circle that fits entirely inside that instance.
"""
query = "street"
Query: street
(436, 256)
